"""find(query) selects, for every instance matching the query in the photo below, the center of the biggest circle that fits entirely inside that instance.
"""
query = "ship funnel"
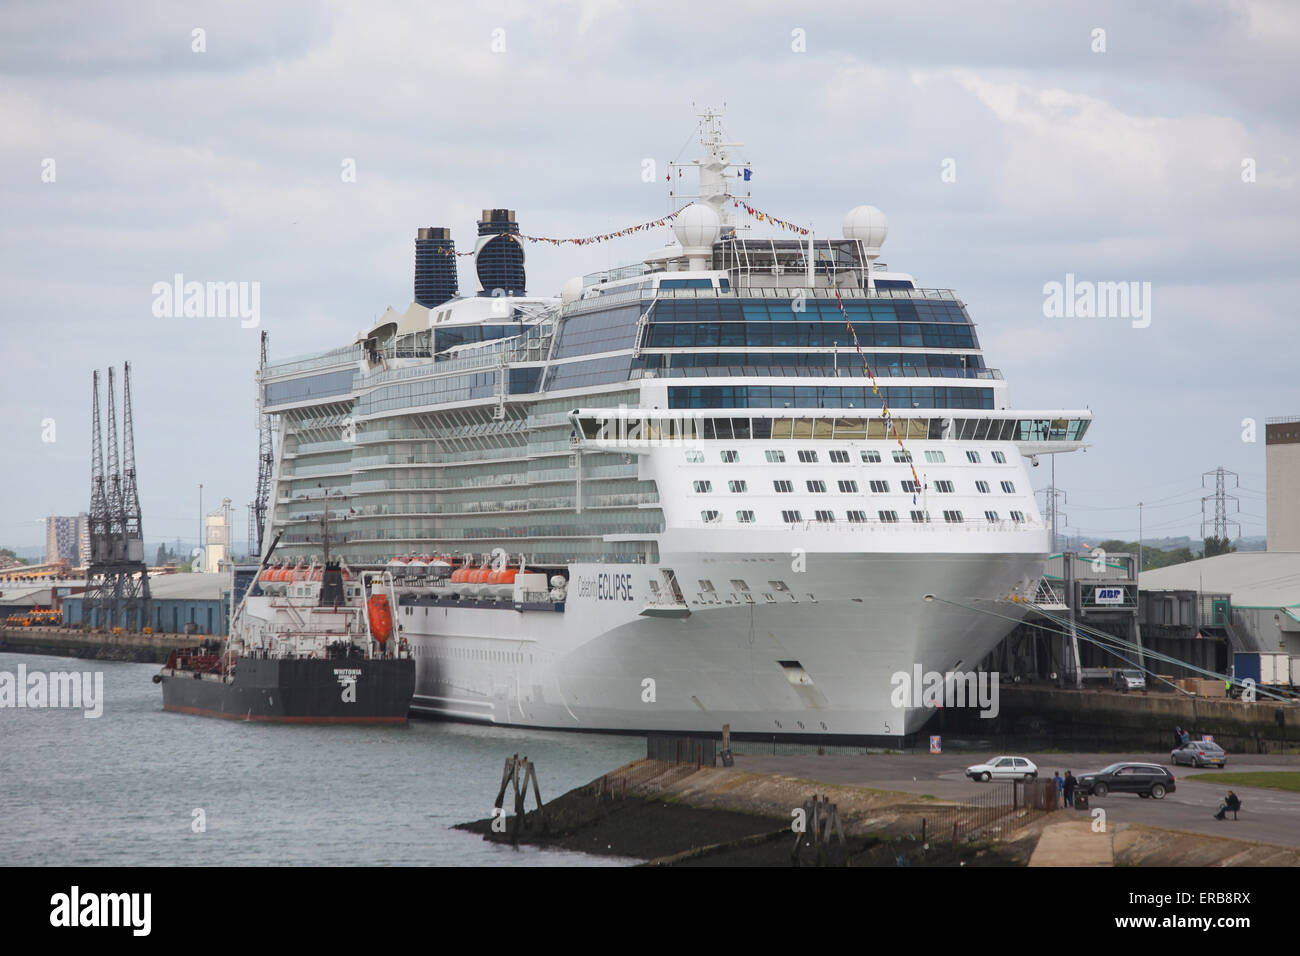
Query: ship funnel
(435, 266)
(499, 261)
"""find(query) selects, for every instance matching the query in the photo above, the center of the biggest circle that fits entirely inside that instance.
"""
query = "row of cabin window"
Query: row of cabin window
(849, 487)
(841, 457)
(859, 517)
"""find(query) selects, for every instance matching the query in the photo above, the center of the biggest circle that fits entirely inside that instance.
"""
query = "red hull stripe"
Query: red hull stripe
(200, 712)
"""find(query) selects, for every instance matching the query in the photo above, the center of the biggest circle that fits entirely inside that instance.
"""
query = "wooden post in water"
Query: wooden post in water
(822, 819)
(516, 774)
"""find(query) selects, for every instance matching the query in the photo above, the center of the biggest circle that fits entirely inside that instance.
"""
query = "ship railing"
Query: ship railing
(473, 508)
(500, 454)
(873, 525)
(785, 292)
(313, 471)
(497, 533)
(607, 299)
(311, 448)
(428, 542)
(345, 355)
(846, 370)
(416, 484)
(545, 421)
(607, 501)
(1048, 595)
(446, 434)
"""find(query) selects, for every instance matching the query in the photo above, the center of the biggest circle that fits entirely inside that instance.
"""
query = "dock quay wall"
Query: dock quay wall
(1049, 717)
(93, 645)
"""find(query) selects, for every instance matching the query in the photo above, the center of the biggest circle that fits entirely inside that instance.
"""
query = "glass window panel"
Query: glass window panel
(850, 428)
(731, 334)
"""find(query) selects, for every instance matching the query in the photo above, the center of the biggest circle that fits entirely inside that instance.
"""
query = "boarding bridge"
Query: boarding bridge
(1096, 589)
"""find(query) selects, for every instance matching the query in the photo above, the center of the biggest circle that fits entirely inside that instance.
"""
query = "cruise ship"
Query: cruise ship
(744, 481)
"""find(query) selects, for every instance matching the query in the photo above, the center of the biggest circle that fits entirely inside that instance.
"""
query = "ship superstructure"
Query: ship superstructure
(673, 496)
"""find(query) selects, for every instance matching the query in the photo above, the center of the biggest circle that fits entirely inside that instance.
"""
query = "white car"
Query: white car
(1003, 768)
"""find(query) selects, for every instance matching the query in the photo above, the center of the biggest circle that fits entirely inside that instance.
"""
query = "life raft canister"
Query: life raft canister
(381, 618)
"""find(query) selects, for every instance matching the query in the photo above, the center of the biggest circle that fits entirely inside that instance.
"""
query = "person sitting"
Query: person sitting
(1231, 804)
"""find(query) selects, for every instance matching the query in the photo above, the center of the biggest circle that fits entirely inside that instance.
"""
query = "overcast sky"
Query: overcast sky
(226, 165)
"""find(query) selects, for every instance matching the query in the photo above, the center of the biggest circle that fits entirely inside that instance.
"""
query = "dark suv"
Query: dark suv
(1144, 779)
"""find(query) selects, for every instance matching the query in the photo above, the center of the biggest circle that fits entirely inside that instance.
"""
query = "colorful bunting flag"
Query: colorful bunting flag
(885, 412)
(585, 240)
(768, 217)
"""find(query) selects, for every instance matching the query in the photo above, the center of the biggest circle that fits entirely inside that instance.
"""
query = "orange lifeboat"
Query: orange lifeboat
(381, 618)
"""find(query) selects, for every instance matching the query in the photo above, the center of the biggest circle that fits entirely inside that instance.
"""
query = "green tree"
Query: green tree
(1215, 546)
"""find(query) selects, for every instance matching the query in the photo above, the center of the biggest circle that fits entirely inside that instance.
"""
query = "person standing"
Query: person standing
(1178, 737)
(1060, 785)
(1067, 788)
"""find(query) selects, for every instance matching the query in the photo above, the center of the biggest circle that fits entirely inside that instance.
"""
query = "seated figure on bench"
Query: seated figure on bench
(1231, 804)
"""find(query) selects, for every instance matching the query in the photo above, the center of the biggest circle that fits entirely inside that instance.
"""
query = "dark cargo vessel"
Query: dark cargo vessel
(308, 644)
(340, 688)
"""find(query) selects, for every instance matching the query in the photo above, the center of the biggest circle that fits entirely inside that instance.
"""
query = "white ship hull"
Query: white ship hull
(603, 665)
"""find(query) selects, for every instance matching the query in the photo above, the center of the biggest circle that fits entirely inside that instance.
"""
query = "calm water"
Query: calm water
(121, 789)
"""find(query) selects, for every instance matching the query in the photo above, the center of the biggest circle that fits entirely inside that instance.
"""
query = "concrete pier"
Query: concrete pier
(93, 645)
(908, 810)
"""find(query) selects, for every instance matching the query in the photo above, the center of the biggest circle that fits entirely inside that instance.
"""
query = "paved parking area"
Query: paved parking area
(1267, 816)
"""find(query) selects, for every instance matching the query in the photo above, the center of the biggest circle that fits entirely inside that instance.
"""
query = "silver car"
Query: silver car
(1003, 768)
(1200, 753)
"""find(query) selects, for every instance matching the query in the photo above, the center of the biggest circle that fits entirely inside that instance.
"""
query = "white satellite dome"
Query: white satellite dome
(571, 291)
(868, 225)
(697, 228)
